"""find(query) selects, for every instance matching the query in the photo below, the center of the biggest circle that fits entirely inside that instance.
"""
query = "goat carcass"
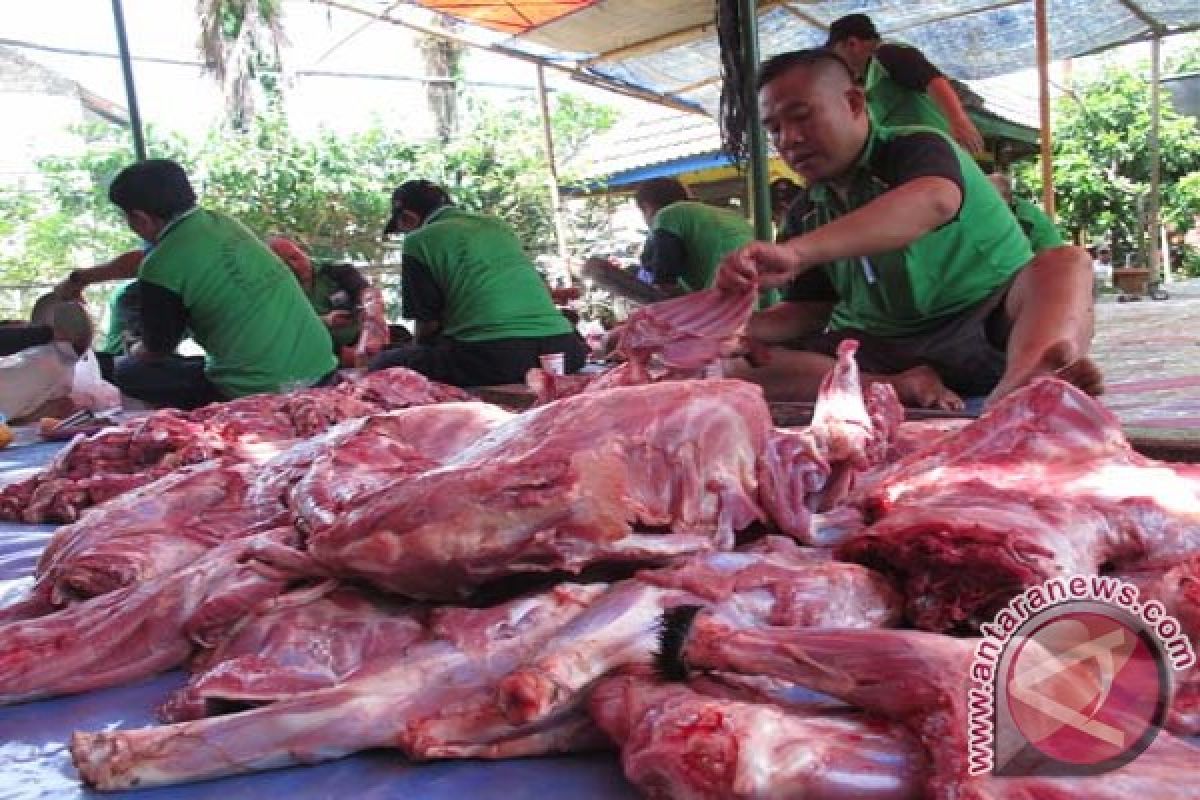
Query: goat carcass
(435, 701)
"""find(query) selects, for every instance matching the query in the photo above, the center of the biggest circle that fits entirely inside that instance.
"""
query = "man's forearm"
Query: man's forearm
(123, 267)
(788, 321)
(891, 221)
(942, 93)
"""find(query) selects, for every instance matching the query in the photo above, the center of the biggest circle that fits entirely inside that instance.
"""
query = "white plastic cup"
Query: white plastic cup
(554, 363)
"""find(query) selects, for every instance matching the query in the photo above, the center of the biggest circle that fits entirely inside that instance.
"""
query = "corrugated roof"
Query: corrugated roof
(667, 49)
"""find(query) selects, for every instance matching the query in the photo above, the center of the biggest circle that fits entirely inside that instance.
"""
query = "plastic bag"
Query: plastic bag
(89, 389)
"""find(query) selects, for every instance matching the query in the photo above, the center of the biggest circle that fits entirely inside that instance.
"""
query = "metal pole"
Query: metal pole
(135, 119)
(1152, 253)
(1043, 65)
(759, 182)
(560, 225)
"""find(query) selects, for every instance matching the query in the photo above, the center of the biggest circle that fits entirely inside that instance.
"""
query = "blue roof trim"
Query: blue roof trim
(668, 168)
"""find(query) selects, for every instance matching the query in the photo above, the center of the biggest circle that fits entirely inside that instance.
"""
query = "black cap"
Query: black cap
(859, 26)
(419, 196)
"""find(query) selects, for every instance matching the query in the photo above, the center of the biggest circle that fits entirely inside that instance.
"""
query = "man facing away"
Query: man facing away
(902, 87)
(483, 314)
(902, 244)
(207, 274)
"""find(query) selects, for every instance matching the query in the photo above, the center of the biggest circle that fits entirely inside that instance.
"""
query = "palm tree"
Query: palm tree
(241, 42)
(443, 60)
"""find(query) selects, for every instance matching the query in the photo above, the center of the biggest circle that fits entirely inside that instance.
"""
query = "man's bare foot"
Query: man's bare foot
(1058, 361)
(921, 387)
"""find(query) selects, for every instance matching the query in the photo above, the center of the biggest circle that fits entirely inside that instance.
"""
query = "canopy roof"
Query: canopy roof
(667, 49)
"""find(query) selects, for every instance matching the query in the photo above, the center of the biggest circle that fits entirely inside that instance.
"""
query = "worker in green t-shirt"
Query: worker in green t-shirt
(1038, 228)
(341, 296)
(902, 87)
(207, 274)
(901, 244)
(483, 314)
(687, 238)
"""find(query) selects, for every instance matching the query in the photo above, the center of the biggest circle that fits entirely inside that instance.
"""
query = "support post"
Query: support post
(135, 118)
(759, 181)
(1152, 222)
(1043, 65)
(560, 225)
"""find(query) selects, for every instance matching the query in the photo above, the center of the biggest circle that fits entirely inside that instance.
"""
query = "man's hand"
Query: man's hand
(336, 319)
(757, 264)
(69, 289)
(966, 134)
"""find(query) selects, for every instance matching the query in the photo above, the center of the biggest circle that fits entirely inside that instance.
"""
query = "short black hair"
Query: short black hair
(419, 196)
(856, 26)
(158, 187)
(660, 192)
(775, 66)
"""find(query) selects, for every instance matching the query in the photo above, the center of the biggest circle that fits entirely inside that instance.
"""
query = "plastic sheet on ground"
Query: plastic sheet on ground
(35, 763)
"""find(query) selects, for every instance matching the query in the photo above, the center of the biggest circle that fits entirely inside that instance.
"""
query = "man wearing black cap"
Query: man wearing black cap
(483, 313)
(902, 87)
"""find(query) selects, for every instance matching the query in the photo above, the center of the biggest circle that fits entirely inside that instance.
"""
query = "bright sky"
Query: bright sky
(186, 99)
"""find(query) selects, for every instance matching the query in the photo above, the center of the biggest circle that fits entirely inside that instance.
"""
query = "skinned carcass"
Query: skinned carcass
(1044, 485)
(680, 743)
(668, 340)
(300, 641)
(776, 583)
(93, 469)
(920, 680)
(143, 629)
(435, 701)
(638, 474)
(167, 524)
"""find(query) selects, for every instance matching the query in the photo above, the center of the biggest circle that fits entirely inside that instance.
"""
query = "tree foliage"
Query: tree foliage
(1102, 159)
(331, 193)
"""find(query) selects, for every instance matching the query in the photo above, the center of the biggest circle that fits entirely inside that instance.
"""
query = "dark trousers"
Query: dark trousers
(15, 338)
(171, 382)
(483, 363)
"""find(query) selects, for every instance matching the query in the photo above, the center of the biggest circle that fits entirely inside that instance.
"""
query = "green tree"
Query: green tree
(1102, 158)
(330, 193)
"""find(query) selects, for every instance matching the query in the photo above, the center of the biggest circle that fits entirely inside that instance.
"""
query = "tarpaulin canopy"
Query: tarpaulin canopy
(667, 49)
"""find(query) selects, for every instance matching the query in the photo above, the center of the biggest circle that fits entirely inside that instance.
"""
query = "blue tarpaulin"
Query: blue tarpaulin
(35, 763)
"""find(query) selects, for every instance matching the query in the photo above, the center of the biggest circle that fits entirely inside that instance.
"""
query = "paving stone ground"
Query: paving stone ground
(1150, 353)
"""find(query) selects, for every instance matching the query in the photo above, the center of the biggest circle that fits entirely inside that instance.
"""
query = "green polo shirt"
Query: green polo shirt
(324, 286)
(244, 306)
(896, 94)
(708, 234)
(948, 270)
(113, 342)
(1039, 229)
(486, 287)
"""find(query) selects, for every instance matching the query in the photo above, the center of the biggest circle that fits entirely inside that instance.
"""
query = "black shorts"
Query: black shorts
(967, 349)
(489, 363)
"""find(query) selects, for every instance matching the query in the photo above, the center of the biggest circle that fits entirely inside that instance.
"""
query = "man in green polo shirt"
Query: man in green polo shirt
(207, 274)
(902, 244)
(687, 238)
(483, 313)
(1038, 228)
(902, 87)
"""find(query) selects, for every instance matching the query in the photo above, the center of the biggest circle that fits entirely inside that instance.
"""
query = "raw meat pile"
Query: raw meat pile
(456, 581)
(96, 468)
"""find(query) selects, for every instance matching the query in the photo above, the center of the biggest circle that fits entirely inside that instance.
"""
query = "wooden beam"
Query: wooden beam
(1152, 252)
(1043, 65)
(691, 87)
(575, 73)
(809, 18)
(1141, 13)
(556, 209)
